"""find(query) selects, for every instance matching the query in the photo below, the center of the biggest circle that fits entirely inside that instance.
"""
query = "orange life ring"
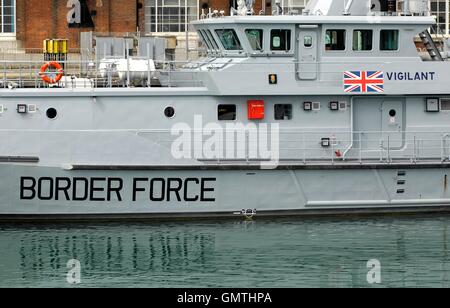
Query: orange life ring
(45, 75)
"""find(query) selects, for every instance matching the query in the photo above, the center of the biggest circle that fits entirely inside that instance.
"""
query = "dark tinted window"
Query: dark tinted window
(227, 112)
(362, 40)
(335, 40)
(280, 40)
(283, 112)
(169, 112)
(255, 37)
(388, 40)
(52, 113)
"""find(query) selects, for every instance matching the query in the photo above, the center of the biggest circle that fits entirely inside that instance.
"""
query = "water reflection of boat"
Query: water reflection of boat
(413, 252)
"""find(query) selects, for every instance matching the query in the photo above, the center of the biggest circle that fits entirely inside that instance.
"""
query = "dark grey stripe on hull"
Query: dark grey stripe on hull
(349, 212)
(337, 166)
(19, 159)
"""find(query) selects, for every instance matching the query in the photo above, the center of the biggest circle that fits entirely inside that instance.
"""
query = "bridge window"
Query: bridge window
(227, 112)
(280, 40)
(255, 37)
(283, 112)
(362, 40)
(204, 40)
(335, 40)
(229, 39)
(212, 39)
(389, 40)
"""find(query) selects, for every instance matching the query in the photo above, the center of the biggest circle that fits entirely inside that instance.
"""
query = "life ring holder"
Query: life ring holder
(45, 75)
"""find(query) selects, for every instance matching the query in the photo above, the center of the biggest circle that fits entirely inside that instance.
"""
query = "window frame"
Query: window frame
(211, 37)
(14, 20)
(312, 42)
(236, 37)
(447, 99)
(371, 43)
(284, 110)
(345, 40)
(235, 113)
(398, 40)
(281, 51)
(205, 40)
(158, 19)
(262, 39)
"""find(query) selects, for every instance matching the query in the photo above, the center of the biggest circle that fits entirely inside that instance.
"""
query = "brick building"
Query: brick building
(26, 23)
(40, 19)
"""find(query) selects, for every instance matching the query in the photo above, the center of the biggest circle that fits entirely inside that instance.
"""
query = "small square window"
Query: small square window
(334, 106)
(445, 104)
(389, 40)
(325, 142)
(335, 40)
(362, 40)
(342, 105)
(280, 40)
(283, 112)
(21, 108)
(316, 106)
(31, 108)
(432, 105)
(307, 106)
(227, 112)
(308, 41)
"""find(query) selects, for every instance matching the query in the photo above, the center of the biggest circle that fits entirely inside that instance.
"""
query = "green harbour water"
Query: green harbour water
(413, 251)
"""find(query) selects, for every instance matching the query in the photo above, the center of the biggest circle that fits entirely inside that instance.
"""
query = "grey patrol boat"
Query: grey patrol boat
(333, 111)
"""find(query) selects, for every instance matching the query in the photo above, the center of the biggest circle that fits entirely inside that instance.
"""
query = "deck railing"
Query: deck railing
(90, 74)
(246, 146)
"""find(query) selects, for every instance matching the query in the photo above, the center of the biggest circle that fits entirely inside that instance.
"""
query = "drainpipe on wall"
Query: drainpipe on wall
(54, 18)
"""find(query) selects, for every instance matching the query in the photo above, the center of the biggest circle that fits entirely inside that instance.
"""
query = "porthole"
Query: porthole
(51, 113)
(169, 112)
(392, 113)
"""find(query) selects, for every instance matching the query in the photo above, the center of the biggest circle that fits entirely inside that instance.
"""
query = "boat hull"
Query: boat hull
(43, 193)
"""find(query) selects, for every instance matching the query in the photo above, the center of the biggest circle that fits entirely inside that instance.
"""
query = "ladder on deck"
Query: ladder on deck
(430, 46)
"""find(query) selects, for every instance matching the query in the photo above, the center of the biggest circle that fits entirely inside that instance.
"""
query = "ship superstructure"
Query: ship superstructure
(335, 110)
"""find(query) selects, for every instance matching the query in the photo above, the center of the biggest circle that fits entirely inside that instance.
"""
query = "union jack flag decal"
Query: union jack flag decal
(364, 82)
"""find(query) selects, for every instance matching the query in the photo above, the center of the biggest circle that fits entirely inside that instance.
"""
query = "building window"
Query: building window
(438, 9)
(229, 39)
(226, 112)
(170, 15)
(255, 37)
(280, 40)
(388, 40)
(335, 40)
(291, 7)
(362, 40)
(283, 112)
(7, 16)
